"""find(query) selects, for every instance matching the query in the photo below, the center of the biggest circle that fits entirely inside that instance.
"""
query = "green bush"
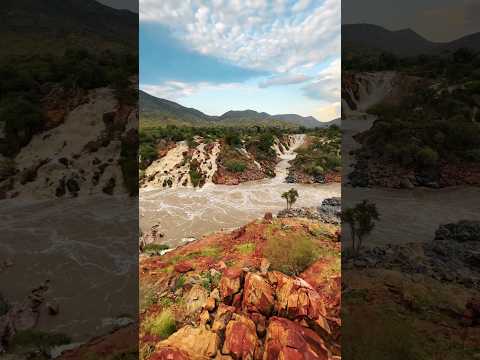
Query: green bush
(245, 249)
(427, 157)
(235, 166)
(290, 255)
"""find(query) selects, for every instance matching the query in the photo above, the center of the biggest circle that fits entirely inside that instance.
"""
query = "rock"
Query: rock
(241, 340)
(195, 299)
(223, 316)
(215, 294)
(257, 295)
(288, 340)
(462, 231)
(405, 183)
(222, 265)
(52, 307)
(264, 266)
(260, 323)
(295, 298)
(210, 304)
(169, 353)
(204, 317)
(196, 342)
(183, 267)
(230, 284)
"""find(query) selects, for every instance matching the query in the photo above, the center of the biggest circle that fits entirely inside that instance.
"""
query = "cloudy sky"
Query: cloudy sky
(278, 56)
(436, 20)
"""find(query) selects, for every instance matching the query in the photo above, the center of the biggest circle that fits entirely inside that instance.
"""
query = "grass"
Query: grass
(38, 340)
(245, 249)
(154, 249)
(291, 252)
(162, 325)
(235, 166)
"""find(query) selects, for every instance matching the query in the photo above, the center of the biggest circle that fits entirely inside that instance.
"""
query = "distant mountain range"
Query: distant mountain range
(155, 110)
(358, 37)
(53, 25)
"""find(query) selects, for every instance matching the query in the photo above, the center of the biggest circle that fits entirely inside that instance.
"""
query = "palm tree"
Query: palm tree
(291, 197)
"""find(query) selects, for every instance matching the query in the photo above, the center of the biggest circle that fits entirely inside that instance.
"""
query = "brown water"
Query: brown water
(406, 215)
(87, 248)
(184, 213)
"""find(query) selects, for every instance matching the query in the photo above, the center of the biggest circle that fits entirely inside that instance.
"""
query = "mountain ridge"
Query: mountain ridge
(151, 106)
(403, 42)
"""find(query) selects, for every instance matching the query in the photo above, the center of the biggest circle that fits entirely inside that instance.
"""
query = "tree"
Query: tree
(291, 197)
(361, 220)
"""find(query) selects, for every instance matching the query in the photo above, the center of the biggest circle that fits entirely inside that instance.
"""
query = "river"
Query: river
(405, 215)
(185, 213)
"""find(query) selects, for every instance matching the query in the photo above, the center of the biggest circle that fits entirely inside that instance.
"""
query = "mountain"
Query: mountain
(39, 26)
(406, 42)
(154, 110)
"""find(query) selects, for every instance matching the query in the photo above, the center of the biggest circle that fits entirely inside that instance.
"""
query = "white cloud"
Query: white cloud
(328, 112)
(327, 84)
(287, 79)
(175, 90)
(259, 34)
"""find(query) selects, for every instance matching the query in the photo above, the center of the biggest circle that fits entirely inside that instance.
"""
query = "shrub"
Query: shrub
(155, 248)
(427, 157)
(162, 325)
(290, 255)
(235, 166)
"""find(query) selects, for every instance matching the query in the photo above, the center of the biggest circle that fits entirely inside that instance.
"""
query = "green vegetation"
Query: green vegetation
(196, 176)
(155, 249)
(26, 80)
(162, 325)
(321, 154)
(361, 221)
(245, 249)
(235, 166)
(301, 251)
(210, 281)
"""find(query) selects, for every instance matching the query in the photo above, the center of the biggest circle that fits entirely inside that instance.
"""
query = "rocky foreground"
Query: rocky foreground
(243, 295)
(422, 300)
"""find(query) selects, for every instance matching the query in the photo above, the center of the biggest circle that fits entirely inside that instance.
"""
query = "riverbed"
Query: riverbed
(184, 213)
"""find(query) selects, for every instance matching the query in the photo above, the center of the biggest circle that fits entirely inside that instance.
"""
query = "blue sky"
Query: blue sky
(278, 56)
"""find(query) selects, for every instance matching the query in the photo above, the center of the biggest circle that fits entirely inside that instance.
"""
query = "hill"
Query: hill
(405, 43)
(156, 111)
(40, 26)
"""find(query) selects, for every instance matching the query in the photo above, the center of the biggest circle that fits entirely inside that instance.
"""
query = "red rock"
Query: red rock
(197, 342)
(288, 340)
(210, 304)
(183, 267)
(295, 298)
(230, 283)
(241, 340)
(257, 295)
(260, 323)
(169, 353)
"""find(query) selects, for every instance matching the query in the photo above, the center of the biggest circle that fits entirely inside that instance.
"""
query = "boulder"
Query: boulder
(260, 323)
(223, 316)
(169, 353)
(230, 284)
(195, 299)
(196, 342)
(288, 340)
(241, 340)
(295, 298)
(257, 295)
(210, 304)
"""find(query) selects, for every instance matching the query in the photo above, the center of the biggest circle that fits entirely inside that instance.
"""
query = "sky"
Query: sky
(436, 20)
(277, 56)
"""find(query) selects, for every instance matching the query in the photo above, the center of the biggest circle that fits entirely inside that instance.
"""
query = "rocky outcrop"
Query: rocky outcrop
(461, 231)
(241, 340)
(329, 212)
(290, 341)
(197, 342)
